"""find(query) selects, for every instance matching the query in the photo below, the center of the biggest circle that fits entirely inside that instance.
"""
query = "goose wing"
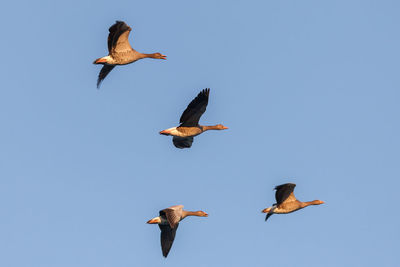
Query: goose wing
(191, 116)
(268, 215)
(173, 214)
(284, 192)
(182, 142)
(118, 38)
(105, 70)
(167, 237)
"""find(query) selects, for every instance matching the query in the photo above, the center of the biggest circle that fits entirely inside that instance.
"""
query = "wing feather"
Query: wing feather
(167, 237)
(105, 70)
(173, 214)
(182, 142)
(191, 116)
(283, 192)
(118, 38)
(268, 215)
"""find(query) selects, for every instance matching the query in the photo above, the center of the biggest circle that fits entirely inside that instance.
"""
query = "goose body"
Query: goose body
(168, 221)
(183, 131)
(189, 122)
(286, 202)
(120, 51)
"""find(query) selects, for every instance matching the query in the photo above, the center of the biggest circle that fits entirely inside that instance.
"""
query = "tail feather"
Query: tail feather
(101, 60)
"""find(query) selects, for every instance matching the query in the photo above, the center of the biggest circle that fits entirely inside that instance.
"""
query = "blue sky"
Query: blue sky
(308, 89)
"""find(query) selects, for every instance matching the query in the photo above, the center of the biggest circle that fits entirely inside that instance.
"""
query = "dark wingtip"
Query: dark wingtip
(119, 22)
(205, 92)
(268, 215)
(287, 184)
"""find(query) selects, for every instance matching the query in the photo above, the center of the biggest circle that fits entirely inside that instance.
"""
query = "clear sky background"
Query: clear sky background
(308, 89)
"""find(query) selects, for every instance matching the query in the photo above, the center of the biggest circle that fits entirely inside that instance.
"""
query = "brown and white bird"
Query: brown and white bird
(120, 51)
(189, 122)
(286, 202)
(168, 221)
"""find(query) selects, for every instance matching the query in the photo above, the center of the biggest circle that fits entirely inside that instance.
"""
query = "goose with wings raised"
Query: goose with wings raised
(120, 51)
(286, 202)
(189, 122)
(168, 221)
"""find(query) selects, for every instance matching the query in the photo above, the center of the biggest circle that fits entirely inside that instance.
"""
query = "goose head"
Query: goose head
(201, 213)
(159, 56)
(317, 202)
(220, 127)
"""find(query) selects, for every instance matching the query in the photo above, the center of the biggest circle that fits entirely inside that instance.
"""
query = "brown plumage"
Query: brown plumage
(189, 122)
(286, 202)
(168, 221)
(120, 51)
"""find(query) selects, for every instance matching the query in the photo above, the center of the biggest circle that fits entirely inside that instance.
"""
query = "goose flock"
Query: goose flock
(120, 52)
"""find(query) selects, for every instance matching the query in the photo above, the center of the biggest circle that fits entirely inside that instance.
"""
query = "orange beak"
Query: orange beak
(165, 132)
(265, 210)
(163, 57)
(225, 128)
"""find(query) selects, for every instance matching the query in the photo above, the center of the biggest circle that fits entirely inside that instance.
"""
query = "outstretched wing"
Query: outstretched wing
(118, 38)
(191, 116)
(283, 192)
(182, 142)
(167, 237)
(105, 70)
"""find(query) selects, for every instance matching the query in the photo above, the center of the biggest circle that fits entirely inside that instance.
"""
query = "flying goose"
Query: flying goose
(189, 122)
(120, 51)
(168, 221)
(286, 202)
